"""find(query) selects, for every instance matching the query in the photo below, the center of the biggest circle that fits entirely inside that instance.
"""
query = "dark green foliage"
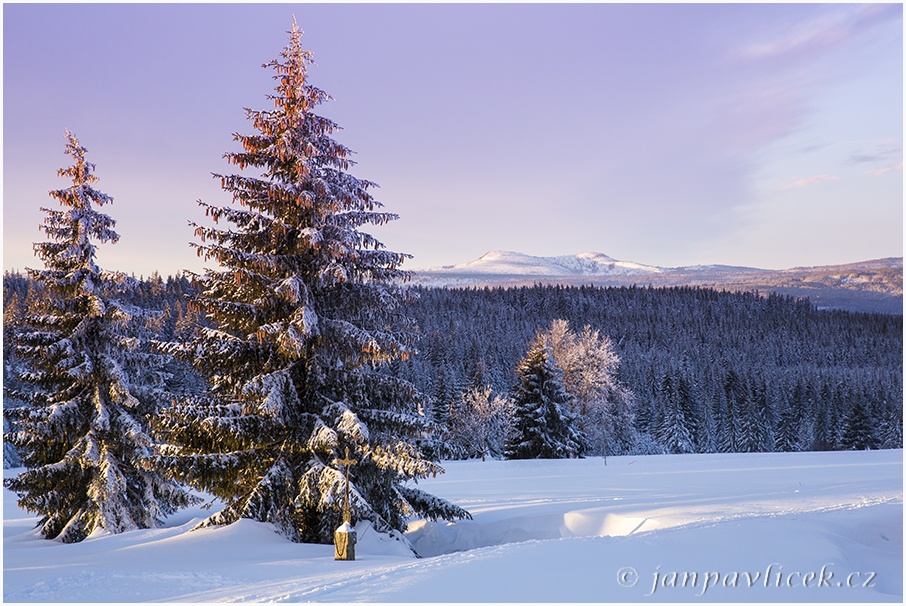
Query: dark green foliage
(543, 426)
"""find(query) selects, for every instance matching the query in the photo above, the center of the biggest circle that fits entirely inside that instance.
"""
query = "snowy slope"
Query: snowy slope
(583, 264)
(503, 268)
(812, 527)
(868, 286)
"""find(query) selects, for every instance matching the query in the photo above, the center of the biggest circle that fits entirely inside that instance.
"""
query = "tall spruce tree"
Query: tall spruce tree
(88, 391)
(543, 426)
(306, 316)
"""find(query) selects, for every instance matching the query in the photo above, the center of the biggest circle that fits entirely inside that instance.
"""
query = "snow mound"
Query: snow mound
(433, 539)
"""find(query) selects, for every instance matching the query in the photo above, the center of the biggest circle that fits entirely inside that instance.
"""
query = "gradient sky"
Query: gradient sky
(759, 135)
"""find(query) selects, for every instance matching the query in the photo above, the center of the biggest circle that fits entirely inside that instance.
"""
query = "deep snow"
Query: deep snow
(813, 527)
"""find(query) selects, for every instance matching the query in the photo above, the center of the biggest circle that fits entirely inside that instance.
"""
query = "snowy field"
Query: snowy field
(804, 527)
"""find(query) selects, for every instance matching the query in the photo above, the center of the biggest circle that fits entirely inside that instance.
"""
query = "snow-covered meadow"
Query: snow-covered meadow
(787, 527)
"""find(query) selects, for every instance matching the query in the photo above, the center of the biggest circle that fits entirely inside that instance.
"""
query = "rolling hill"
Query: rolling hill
(868, 286)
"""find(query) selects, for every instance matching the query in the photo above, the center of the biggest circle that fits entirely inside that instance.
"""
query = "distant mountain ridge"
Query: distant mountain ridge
(867, 286)
(584, 264)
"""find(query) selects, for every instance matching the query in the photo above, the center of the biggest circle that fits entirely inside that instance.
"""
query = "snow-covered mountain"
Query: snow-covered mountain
(505, 263)
(866, 286)
(514, 263)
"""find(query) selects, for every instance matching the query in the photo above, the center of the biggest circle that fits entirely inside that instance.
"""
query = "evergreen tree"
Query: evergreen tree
(732, 402)
(621, 436)
(589, 367)
(82, 434)
(480, 423)
(306, 318)
(543, 426)
(12, 323)
(786, 437)
(674, 432)
(857, 432)
(685, 403)
(754, 421)
(891, 429)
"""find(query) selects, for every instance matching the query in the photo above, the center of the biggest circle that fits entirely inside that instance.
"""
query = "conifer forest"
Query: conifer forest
(695, 370)
(122, 395)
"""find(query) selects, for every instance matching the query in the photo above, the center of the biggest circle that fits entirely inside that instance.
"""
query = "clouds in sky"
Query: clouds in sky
(818, 32)
(887, 169)
(808, 181)
(666, 134)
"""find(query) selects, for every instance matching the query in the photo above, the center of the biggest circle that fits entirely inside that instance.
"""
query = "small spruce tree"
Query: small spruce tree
(306, 318)
(82, 434)
(674, 432)
(543, 426)
(857, 431)
(786, 436)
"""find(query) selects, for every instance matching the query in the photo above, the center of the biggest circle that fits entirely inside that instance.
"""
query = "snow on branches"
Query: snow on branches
(90, 384)
(544, 427)
(305, 319)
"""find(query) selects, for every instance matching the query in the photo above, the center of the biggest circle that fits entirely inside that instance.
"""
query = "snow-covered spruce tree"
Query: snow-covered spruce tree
(480, 424)
(306, 316)
(88, 391)
(12, 367)
(786, 435)
(891, 427)
(858, 431)
(674, 431)
(543, 426)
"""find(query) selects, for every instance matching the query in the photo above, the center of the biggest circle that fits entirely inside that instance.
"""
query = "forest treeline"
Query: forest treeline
(705, 370)
(708, 370)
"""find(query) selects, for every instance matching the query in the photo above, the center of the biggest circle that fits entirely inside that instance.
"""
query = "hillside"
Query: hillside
(868, 286)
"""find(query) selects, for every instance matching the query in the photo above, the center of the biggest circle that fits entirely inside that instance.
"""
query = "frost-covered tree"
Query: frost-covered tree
(589, 368)
(12, 322)
(588, 362)
(480, 423)
(88, 390)
(543, 425)
(306, 317)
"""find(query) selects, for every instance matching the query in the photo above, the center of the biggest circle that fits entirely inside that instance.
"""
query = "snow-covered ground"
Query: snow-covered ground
(804, 527)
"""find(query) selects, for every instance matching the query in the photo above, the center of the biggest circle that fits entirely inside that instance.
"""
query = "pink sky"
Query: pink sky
(761, 135)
